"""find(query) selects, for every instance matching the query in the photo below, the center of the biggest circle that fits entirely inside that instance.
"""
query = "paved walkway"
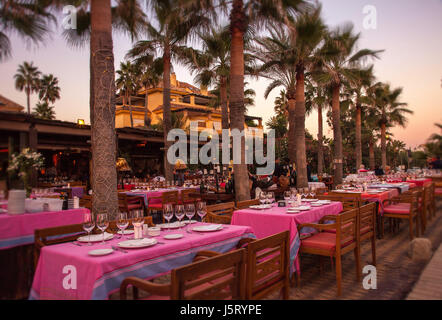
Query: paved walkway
(429, 286)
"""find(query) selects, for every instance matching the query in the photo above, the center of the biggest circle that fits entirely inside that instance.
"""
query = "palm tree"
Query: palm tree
(27, 79)
(96, 26)
(361, 100)
(244, 14)
(44, 111)
(127, 83)
(389, 112)
(340, 63)
(175, 24)
(286, 57)
(29, 19)
(149, 76)
(49, 89)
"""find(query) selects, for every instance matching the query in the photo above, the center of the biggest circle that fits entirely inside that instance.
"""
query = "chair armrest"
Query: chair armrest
(204, 254)
(158, 289)
(242, 242)
(317, 226)
(327, 217)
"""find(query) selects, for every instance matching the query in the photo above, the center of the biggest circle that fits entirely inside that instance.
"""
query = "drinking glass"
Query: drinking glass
(179, 213)
(287, 197)
(312, 192)
(270, 197)
(122, 222)
(294, 193)
(137, 219)
(102, 223)
(190, 211)
(168, 213)
(201, 209)
(262, 197)
(88, 225)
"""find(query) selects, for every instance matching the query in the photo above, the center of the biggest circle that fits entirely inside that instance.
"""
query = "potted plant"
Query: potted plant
(23, 163)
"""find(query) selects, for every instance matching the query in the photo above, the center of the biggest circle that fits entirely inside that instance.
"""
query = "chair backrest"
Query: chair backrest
(186, 196)
(169, 197)
(113, 224)
(86, 201)
(320, 191)
(217, 278)
(215, 218)
(346, 228)
(267, 268)
(349, 201)
(246, 203)
(367, 220)
(223, 209)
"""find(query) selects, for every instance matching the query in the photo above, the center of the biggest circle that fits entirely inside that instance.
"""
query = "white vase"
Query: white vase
(16, 201)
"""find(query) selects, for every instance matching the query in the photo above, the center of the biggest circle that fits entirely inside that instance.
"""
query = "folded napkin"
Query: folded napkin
(213, 227)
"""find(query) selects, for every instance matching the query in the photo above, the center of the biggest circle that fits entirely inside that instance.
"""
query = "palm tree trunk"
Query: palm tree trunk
(167, 115)
(102, 105)
(236, 104)
(223, 96)
(130, 111)
(358, 137)
(383, 145)
(371, 154)
(146, 108)
(301, 158)
(291, 139)
(337, 136)
(320, 138)
(28, 99)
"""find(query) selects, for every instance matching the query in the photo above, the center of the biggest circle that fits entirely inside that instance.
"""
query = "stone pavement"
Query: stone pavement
(396, 272)
(429, 285)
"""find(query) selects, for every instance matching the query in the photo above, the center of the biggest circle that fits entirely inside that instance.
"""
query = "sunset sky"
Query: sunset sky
(410, 31)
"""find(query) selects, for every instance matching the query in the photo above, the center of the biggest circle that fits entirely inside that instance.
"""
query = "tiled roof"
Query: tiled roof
(9, 105)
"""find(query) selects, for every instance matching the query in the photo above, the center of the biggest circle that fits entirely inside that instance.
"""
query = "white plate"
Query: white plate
(303, 208)
(261, 206)
(139, 243)
(317, 204)
(173, 236)
(126, 232)
(324, 201)
(100, 252)
(291, 211)
(208, 228)
(191, 221)
(310, 200)
(172, 225)
(96, 237)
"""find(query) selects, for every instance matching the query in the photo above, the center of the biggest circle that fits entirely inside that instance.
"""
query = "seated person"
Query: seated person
(378, 171)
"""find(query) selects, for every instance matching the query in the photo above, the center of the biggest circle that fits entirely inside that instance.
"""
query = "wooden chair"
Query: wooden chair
(404, 207)
(320, 191)
(246, 203)
(334, 244)
(86, 201)
(55, 235)
(114, 229)
(217, 278)
(348, 203)
(222, 209)
(215, 218)
(166, 197)
(188, 196)
(128, 203)
(268, 266)
(367, 227)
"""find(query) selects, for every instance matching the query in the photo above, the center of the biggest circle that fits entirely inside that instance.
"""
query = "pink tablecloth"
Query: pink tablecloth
(97, 277)
(16, 230)
(420, 182)
(268, 222)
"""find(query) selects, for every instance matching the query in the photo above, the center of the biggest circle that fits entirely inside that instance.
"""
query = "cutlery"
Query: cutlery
(118, 249)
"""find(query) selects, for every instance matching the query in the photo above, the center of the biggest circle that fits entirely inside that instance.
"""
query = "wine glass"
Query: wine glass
(312, 192)
(179, 213)
(88, 225)
(201, 209)
(262, 197)
(190, 211)
(102, 223)
(137, 220)
(168, 213)
(287, 197)
(270, 197)
(122, 222)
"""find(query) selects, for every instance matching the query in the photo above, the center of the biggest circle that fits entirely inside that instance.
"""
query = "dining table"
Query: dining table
(68, 271)
(267, 222)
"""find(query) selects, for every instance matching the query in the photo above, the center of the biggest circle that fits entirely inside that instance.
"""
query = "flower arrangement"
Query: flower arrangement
(22, 163)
